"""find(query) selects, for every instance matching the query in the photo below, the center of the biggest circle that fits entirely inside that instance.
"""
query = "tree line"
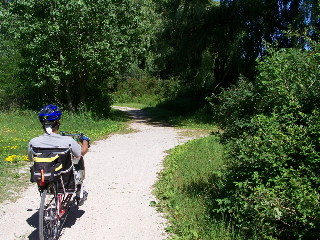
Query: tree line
(69, 51)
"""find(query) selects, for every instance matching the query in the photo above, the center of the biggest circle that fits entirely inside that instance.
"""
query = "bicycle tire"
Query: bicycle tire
(49, 223)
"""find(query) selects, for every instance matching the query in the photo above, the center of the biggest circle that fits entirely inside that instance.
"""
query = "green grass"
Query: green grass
(143, 100)
(185, 190)
(19, 127)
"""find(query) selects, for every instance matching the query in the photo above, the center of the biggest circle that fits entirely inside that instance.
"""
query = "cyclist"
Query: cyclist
(49, 117)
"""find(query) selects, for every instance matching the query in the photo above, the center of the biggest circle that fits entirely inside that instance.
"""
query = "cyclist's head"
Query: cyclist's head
(50, 116)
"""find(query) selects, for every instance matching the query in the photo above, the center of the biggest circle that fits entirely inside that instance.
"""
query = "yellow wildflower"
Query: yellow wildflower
(16, 158)
(9, 147)
(9, 130)
(11, 158)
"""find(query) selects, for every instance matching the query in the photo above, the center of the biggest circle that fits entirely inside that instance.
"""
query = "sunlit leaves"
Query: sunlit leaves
(73, 47)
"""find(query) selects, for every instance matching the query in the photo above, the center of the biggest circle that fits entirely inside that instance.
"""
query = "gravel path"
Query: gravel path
(120, 173)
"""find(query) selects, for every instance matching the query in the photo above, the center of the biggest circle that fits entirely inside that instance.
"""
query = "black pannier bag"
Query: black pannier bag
(52, 163)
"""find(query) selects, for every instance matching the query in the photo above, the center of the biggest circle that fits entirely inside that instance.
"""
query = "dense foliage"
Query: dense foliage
(210, 45)
(81, 49)
(72, 50)
(9, 60)
(287, 81)
(271, 186)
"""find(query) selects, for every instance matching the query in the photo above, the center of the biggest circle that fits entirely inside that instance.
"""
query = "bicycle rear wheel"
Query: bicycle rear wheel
(49, 221)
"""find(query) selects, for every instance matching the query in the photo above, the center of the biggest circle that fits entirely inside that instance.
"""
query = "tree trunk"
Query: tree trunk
(82, 88)
(66, 85)
(64, 81)
(68, 95)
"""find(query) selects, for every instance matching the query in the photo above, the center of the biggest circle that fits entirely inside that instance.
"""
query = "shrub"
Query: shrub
(139, 90)
(145, 89)
(286, 79)
(289, 77)
(271, 185)
(234, 107)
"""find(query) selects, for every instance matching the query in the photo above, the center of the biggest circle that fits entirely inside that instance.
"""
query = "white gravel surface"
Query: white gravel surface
(120, 173)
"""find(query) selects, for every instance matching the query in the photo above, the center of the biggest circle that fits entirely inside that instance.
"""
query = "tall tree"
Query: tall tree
(9, 60)
(233, 33)
(72, 49)
(181, 41)
(254, 22)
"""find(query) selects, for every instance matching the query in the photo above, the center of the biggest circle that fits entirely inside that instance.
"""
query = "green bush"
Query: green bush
(286, 79)
(98, 103)
(289, 77)
(10, 88)
(140, 87)
(143, 89)
(180, 105)
(272, 183)
(234, 107)
(271, 186)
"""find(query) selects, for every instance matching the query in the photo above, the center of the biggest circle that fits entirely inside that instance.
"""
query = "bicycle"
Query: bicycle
(55, 174)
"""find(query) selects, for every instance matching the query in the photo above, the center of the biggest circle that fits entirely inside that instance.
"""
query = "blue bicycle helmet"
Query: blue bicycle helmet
(49, 115)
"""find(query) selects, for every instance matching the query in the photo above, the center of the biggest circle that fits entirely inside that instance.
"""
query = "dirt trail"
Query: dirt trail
(120, 173)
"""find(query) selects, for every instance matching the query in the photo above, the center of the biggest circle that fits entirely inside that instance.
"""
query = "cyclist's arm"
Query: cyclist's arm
(84, 147)
(76, 148)
(30, 155)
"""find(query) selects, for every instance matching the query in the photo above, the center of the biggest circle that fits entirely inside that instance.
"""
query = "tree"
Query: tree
(71, 49)
(233, 33)
(9, 60)
(181, 43)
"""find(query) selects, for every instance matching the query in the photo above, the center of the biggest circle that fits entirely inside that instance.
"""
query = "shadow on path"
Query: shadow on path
(141, 116)
(72, 217)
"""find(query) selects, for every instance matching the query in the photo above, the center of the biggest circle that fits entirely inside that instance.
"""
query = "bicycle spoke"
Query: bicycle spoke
(49, 222)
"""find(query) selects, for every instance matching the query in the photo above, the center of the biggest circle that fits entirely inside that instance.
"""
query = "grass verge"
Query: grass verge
(19, 127)
(185, 190)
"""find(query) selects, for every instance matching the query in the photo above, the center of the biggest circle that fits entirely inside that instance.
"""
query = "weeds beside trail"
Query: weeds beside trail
(185, 190)
(19, 127)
